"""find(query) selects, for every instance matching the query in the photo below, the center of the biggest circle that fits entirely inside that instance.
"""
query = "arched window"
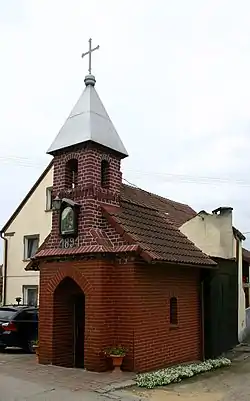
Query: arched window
(105, 174)
(71, 173)
(173, 311)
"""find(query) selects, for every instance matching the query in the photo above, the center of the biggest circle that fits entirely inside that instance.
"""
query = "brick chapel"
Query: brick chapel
(115, 268)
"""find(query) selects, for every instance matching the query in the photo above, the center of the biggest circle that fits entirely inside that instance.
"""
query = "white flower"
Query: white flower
(177, 373)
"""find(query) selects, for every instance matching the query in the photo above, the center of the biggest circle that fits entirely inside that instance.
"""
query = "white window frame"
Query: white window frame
(26, 239)
(48, 206)
(26, 288)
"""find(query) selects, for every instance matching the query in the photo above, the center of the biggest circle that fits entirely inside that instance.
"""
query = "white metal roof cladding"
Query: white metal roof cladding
(88, 121)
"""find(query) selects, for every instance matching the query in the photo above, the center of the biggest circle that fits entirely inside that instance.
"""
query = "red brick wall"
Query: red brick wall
(96, 281)
(88, 192)
(125, 310)
(89, 157)
(142, 314)
(157, 344)
(126, 304)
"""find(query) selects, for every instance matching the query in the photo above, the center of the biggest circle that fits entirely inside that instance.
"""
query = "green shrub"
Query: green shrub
(117, 350)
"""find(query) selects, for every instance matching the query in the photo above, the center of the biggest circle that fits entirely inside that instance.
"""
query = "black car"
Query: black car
(18, 326)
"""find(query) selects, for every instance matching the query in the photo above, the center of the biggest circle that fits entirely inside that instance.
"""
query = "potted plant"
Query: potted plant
(117, 353)
(35, 347)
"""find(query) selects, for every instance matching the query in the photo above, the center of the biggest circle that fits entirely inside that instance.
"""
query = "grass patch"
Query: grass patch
(177, 373)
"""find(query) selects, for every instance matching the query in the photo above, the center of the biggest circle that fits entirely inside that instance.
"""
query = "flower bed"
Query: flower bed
(177, 373)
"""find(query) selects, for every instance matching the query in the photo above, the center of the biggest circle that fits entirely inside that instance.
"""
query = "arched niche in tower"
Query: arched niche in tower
(71, 173)
(105, 173)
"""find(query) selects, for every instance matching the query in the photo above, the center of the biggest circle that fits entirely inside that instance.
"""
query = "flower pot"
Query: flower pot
(117, 361)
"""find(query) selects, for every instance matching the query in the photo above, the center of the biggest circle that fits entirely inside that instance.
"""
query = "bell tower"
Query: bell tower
(87, 157)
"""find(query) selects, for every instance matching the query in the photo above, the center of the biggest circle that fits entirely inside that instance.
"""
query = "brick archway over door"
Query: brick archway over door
(51, 276)
(67, 271)
(69, 324)
(94, 277)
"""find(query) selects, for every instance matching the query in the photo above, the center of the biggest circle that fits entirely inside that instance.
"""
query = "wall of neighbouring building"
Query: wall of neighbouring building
(32, 219)
(220, 303)
(213, 234)
(241, 297)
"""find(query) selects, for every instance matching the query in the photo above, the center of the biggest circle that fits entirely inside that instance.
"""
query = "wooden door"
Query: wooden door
(79, 326)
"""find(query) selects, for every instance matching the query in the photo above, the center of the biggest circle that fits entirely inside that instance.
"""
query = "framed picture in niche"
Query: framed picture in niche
(69, 218)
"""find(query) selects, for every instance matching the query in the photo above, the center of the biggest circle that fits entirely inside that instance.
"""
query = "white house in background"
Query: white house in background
(24, 231)
(215, 235)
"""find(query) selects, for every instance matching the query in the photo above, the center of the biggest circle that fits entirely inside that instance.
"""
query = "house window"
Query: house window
(31, 243)
(49, 198)
(173, 311)
(105, 174)
(30, 295)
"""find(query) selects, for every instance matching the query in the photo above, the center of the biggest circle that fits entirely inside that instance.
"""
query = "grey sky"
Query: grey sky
(173, 76)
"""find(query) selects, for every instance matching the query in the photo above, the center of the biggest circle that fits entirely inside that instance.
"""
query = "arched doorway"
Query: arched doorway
(68, 324)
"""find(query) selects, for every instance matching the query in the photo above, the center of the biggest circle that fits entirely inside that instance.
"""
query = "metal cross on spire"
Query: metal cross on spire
(89, 53)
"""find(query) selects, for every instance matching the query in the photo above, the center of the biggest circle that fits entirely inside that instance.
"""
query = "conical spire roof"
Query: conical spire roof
(88, 121)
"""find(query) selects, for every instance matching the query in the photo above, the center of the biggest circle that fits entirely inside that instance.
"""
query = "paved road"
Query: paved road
(22, 378)
(13, 389)
(228, 384)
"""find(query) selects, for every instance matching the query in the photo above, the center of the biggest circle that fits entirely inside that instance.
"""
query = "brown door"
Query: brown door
(79, 323)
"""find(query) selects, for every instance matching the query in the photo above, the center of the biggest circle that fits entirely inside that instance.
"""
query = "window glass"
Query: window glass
(30, 295)
(7, 314)
(27, 316)
(21, 316)
(30, 246)
(49, 198)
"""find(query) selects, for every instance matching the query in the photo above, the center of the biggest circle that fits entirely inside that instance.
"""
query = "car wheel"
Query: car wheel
(2, 348)
(29, 347)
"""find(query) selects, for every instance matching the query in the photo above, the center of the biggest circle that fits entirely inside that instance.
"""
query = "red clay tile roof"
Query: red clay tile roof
(155, 232)
(104, 248)
(178, 212)
(154, 222)
(87, 249)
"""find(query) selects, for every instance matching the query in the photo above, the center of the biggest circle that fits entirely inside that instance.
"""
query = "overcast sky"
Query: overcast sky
(174, 76)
